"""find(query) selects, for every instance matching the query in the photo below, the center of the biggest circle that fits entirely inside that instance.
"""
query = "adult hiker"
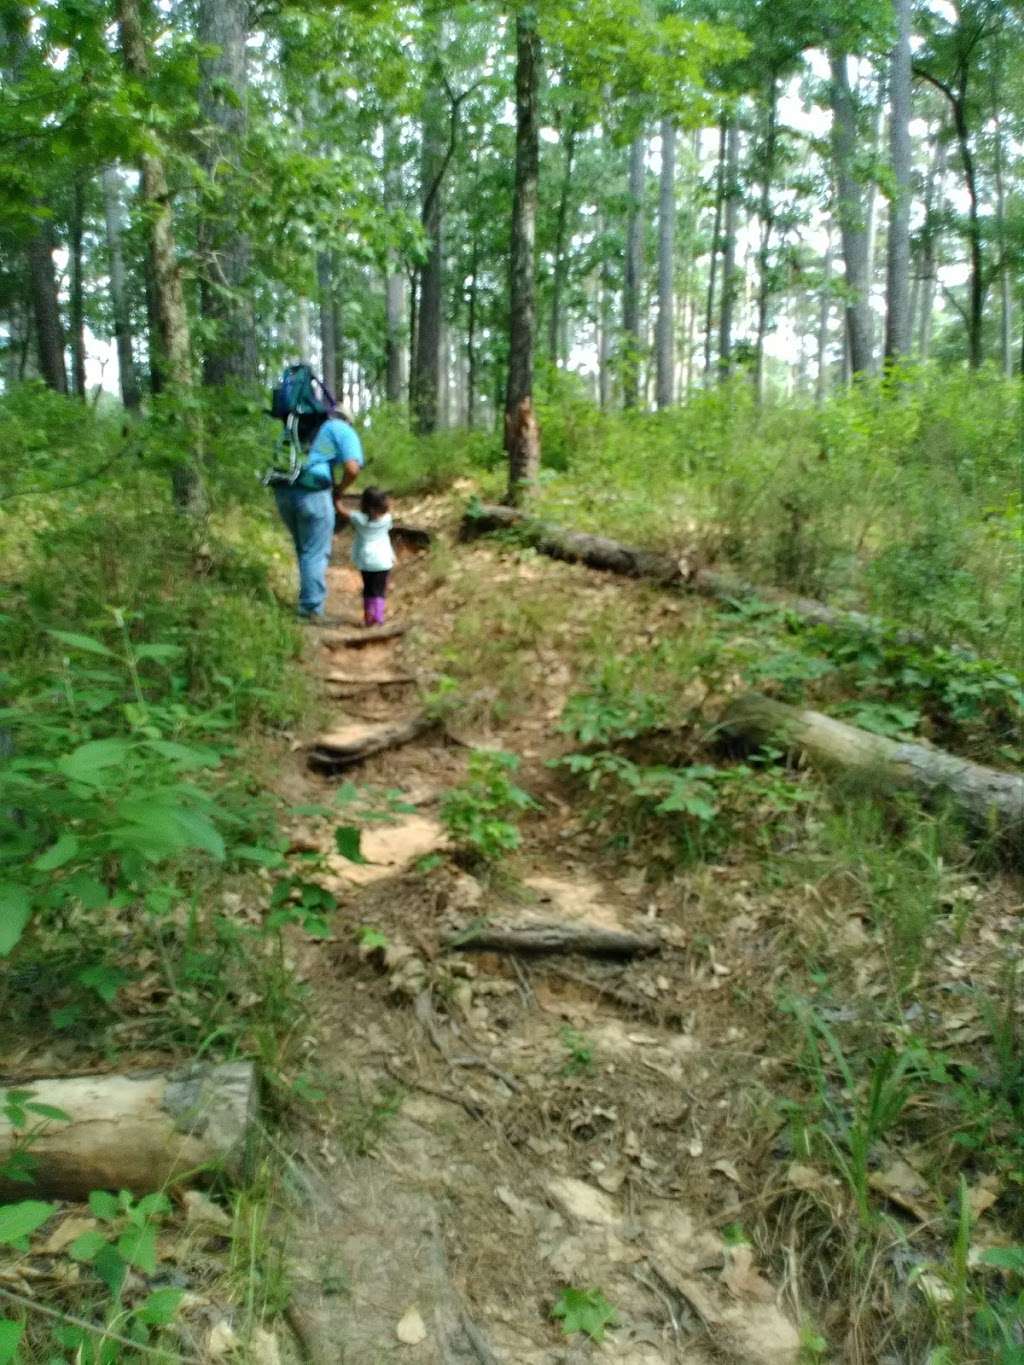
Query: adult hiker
(317, 457)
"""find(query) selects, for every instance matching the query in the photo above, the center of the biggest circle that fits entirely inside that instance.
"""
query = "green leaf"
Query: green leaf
(18, 1220)
(137, 1246)
(89, 761)
(88, 1246)
(151, 1204)
(86, 642)
(58, 854)
(1004, 1258)
(160, 1307)
(584, 1310)
(185, 755)
(348, 840)
(103, 1205)
(110, 1266)
(15, 908)
(48, 1111)
(160, 652)
(10, 1335)
(372, 938)
(105, 981)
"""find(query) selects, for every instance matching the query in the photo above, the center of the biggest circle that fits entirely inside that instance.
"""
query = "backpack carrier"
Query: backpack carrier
(302, 402)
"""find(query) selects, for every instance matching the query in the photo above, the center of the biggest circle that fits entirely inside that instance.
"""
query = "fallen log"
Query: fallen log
(534, 936)
(140, 1131)
(990, 800)
(357, 637)
(369, 679)
(598, 552)
(342, 748)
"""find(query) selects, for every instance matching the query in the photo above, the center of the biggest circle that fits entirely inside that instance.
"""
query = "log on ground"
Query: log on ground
(357, 637)
(339, 749)
(533, 936)
(598, 552)
(991, 801)
(139, 1131)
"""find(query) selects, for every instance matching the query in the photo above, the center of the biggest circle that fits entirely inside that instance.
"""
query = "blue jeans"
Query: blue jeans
(310, 519)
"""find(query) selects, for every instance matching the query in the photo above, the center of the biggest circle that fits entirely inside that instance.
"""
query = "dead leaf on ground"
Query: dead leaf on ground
(223, 1339)
(742, 1279)
(905, 1187)
(727, 1169)
(65, 1233)
(411, 1330)
(202, 1212)
(982, 1196)
(808, 1179)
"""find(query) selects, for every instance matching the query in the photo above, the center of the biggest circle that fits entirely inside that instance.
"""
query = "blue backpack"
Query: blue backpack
(302, 402)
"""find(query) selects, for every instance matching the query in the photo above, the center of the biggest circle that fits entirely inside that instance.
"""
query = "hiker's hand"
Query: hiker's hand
(351, 470)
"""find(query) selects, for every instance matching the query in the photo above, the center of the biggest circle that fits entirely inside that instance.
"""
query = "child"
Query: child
(371, 551)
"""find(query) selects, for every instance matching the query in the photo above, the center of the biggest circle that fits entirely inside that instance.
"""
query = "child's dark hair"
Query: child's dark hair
(373, 503)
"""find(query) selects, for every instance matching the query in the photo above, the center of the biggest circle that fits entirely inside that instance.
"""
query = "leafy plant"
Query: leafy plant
(479, 814)
(586, 1311)
(580, 1050)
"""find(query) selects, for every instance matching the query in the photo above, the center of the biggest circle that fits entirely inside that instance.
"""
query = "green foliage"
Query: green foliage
(580, 1050)
(479, 814)
(586, 1311)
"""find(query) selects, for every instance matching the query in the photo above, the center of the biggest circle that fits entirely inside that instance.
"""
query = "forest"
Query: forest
(589, 925)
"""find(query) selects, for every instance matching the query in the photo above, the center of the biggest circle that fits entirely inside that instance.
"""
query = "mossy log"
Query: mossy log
(140, 1131)
(533, 936)
(679, 570)
(991, 801)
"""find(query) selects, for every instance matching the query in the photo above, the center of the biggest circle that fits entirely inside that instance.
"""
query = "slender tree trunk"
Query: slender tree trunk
(666, 335)
(394, 281)
(522, 437)
(77, 289)
(426, 378)
(328, 318)
(731, 201)
(119, 289)
(226, 253)
(1005, 283)
(766, 213)
(871, 202)
(824, 312)
(929, 243)
(634, 275)
(471, 360)
(898, 321)
(716, 233)
(850, 209)
(414, 326)
(561, 259)
(174, 340)
(604, 335)
(49, 329)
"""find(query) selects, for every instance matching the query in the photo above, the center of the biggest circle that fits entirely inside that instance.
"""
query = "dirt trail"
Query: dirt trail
(502, 1129)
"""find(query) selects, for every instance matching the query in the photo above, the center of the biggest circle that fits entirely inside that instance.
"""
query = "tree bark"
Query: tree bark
(426, 371)
(226, 252)
(991, 801)
(561, 260)
(522, 437)
(824, 313)
(141, 1132)
(665, 393)
(174, 355)
(850, 211)
(471, 357)
(631, 341)
(119, 289)
(49, 330)
(898, 323)
(731, 200)
(766, 213)
(604, 327)
(933, 209)
(716, 233)
(395, 355)
(328, 320)
(1005, 281)
(77, 288)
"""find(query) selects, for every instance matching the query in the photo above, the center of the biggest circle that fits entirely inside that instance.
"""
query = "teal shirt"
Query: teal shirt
(335, 441)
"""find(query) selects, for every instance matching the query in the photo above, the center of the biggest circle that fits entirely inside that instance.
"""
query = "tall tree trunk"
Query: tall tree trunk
(850, 210)
(328, 320)
(731, 201)
(631, 344)
(871, 196)
(174, 341)
(1005, 283)
(561, 259)
(716, 234)
(49, 329)
(604, 331)
(77, 289)
(230, 350)
(471, 360)
(933, 210)
(766, 213)
(395, 380)
(824, 312)
(426, 377)
(522, 438)
(898, 322)
(666, 336)
(119, 289)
